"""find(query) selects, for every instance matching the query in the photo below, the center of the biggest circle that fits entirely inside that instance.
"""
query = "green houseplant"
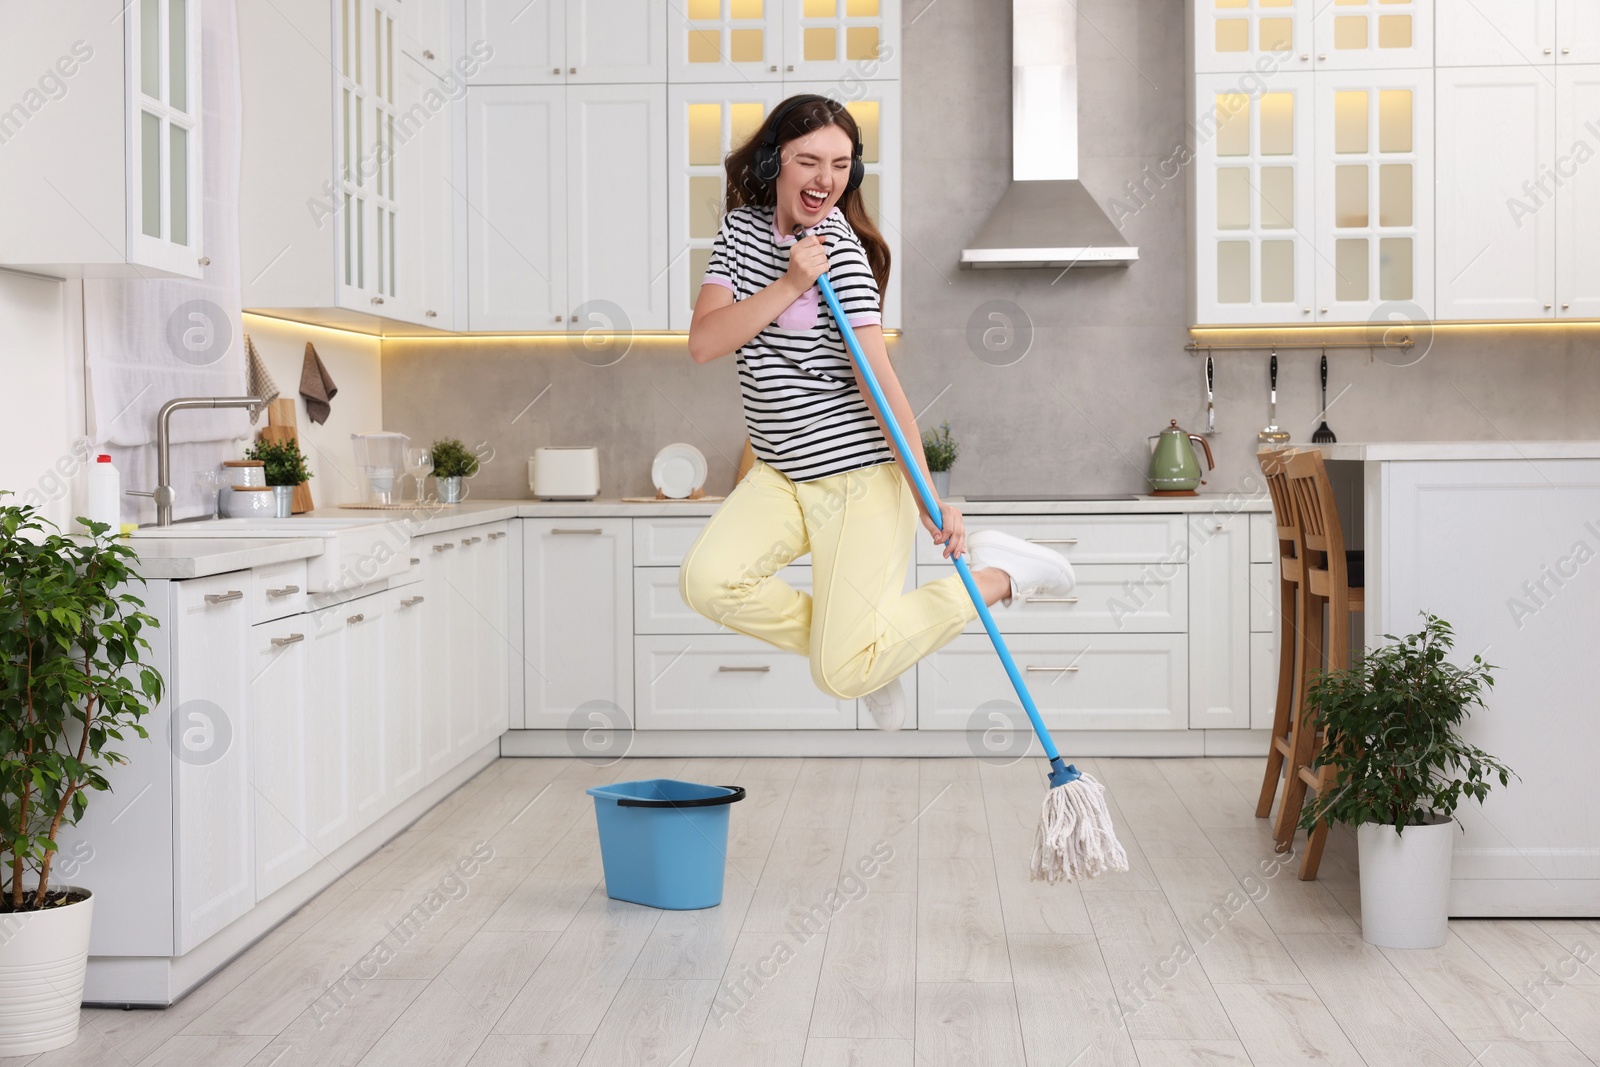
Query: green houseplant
(940, 450)
(1400, 769)
(451, 463)
(71, 687)
(285, 467)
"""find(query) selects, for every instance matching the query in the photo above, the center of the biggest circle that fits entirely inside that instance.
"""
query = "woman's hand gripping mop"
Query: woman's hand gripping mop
(1075, 838)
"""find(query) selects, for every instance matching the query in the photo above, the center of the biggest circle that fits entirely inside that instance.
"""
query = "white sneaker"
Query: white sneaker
(1034, 569)
(888, 706)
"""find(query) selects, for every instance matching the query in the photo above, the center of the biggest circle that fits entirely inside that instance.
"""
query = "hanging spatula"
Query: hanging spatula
(1272, 435)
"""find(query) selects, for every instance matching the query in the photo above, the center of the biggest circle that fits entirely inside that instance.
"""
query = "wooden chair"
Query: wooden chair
(1326, 584)
(1291, 681)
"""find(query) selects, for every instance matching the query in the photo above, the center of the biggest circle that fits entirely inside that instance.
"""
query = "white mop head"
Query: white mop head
(1075, 838)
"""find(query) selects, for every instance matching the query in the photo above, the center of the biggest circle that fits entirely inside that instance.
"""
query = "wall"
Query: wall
(1106, 366)
(41, 401)
(352, 361)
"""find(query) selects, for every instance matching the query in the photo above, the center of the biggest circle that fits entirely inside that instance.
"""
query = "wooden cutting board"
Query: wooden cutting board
(281, 427)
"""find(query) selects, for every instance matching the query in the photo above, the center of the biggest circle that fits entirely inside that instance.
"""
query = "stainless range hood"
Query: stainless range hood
(1046, 218)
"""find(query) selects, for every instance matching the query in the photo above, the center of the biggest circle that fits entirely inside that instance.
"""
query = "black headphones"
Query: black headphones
(768, 161)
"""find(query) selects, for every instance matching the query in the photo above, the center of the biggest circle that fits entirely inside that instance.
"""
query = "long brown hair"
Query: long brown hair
(810, 113)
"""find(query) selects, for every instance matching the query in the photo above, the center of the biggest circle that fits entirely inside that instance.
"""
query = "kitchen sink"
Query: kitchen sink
(356, 551)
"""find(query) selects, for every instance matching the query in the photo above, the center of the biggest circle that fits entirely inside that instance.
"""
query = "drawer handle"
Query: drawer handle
(1051, 599)
(292, 639)
(470, 540)
(559, 531)
(738, 670)
(357, 617)
(441, 548)
(285, 591)
(410, 601)
(415, 561)
(223, 598)
(1073, 669)
(497, 534)
(1052, 540)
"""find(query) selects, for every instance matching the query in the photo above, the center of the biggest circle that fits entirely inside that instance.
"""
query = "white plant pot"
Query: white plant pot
(1405, 883)
(43, 956)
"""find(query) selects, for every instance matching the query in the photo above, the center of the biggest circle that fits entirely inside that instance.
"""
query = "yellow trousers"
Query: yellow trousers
(858, 626)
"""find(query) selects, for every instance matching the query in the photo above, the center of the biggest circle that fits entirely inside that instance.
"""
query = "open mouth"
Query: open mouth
(812, 200)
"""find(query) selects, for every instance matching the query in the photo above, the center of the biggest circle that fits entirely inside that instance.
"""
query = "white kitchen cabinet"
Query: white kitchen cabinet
(1263, 679)
(1267, 36)
(1577, 201)
(728, 681)
(496, 654)
(437, 686)
(1219, 634)
(371, 236)
(727, 41)
(214, 802)
(577, 617)
(330, 733)
(1531, 33)
(854, 40)
(1372, 34)
(404, 646)
(516, 237)
(464, 640)
(281, 706)
(556, 42)
(1108, 598)
(366, 619)
(1254, 192)
(617, 259)
(1106, 681)
(109, 164)
(1498, 233)
(479, 631)
(1374, 195)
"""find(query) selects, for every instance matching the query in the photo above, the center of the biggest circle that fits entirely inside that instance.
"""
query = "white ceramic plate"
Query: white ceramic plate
(678, 470)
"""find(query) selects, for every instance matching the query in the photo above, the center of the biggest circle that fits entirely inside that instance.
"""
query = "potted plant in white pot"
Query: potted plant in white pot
(71, 686)
(940, 450)
(1400, 769)
(451, 463)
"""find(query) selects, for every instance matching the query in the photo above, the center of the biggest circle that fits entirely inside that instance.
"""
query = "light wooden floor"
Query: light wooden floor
(1206, 953)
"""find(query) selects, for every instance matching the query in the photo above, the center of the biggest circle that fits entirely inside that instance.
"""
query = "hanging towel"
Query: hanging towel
(257, 381)
(316, 385)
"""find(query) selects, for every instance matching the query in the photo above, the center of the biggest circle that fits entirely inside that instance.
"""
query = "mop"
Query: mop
(1075, 838)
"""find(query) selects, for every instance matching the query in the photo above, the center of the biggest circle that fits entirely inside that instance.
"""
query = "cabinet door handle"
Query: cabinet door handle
(377, 300)
(560, 531)
(572, 70)
(409, 601)
(555, 70)
(427, 53)
(357, 617)
(415, 561)
(292, 639)
(1068, 669)
(430, 313)
(1052, 540)
(1051, 599)
(470, 540)
(441, 548)
(740, 670)
(497, 533)
(223, 598)
(285, 591)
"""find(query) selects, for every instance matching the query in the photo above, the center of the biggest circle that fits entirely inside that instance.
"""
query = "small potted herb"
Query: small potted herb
(451, 463)
(940, 450)
(72, 688)
(285, 467)
(1400, 769)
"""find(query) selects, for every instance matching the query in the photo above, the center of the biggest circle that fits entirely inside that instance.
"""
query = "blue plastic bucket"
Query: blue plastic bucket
(664, 843)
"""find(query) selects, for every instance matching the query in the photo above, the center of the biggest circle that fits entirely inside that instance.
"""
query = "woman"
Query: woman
(826, 480)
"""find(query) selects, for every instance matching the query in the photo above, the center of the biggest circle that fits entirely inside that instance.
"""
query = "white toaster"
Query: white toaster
(565, 472)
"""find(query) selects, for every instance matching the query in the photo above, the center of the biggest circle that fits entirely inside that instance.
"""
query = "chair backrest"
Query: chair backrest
(1321, 536)
(1283, 513)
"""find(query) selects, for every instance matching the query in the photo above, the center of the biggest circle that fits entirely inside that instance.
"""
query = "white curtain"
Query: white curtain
(147, 341)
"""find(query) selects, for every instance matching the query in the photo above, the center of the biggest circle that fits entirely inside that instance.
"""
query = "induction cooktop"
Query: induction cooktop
(1007, 498)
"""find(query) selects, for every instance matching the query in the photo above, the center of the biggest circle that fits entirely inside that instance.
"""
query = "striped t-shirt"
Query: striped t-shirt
(805, 414)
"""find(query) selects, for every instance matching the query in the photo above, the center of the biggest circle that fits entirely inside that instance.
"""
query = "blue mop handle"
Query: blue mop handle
(1066, 774)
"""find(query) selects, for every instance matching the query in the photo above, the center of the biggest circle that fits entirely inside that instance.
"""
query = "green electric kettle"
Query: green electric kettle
(1174, 468)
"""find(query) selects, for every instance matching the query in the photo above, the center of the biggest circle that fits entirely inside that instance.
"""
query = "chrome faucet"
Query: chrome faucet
(163, 494)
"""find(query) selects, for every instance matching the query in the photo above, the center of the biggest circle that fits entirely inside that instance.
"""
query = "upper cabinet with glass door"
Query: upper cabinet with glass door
(1270, 36)
(785, 40)
(579, 42)
(100, 161)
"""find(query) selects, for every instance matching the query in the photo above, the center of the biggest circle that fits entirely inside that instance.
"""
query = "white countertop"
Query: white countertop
(199, 556)
(1437, 450)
